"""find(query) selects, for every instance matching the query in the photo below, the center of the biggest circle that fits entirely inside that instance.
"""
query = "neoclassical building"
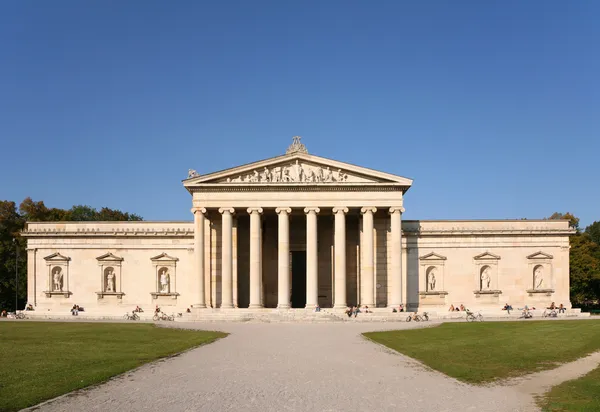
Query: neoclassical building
(296, 231)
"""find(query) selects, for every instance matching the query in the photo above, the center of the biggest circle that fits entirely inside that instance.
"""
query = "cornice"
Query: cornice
(300, 187)
(113, 232)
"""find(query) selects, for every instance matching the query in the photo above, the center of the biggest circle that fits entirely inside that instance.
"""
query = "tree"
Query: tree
(573, 221)
(593, 231)
(584, 269)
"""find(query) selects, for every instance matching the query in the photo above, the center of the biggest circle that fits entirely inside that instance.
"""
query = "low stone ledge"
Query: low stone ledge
(437, 293)
(545, 292)
(494, 293)
(156, 295)
(101, 295)
(50, 293)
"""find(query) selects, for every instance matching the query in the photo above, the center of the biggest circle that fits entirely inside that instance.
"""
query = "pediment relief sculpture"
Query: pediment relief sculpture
(294, 173)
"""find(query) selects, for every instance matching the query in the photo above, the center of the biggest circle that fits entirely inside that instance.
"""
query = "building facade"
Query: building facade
(297, 231)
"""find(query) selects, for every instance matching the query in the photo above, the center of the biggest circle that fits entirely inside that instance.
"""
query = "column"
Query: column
(312, 258)
(283, 258)
(199, 254)
(255, 257)
(367, 270)
(340, 257)
(226, 257)
(396, 269)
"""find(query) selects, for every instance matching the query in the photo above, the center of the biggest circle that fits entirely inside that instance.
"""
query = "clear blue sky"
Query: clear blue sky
(492, 107)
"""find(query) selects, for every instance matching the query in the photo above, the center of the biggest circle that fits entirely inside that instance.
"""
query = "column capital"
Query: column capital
(341, 209)
(395, 209)
(307, 210)
(280, 210)
(258, 210)
(368, 209)
(198, 209)
(227, 210)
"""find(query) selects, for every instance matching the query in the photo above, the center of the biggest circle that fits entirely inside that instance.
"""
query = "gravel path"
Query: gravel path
(290, 367)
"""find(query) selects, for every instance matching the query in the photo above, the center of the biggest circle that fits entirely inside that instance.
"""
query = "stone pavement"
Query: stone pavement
(290, 367)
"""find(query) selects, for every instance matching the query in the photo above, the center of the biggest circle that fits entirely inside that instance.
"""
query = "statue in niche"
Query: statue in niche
(57, 280)
(485, 278)
(327, 175)
(164, 281)
(538, 277)
(431, 281)
(110, 280)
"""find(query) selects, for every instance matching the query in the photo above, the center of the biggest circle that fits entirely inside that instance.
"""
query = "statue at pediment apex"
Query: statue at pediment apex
(192, 173)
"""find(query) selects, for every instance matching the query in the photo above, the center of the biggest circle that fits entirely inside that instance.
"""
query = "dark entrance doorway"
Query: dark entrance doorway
(298, 279)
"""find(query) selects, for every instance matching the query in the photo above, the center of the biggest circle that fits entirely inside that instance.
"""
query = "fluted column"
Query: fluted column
(255, 257)
(312, 258)
(367, 270)
(226, 258)
(199, 254)
(340, 256)
(283, 253)
(396, 269)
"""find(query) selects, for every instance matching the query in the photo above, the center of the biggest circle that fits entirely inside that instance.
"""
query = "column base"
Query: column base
(393, 305)
(226, 306)
(310, 306)
(255, 306)
(199, 306)
(340, 306)
(283, 306)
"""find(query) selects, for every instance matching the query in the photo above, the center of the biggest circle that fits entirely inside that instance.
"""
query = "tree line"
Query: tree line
(13, 254)
(584, 253)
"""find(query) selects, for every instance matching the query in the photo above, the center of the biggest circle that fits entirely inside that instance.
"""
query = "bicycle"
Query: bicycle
(133, 316)
(471, 317)
(418, 318)
(550, 314)
(526, 314)
(162, 316)
(19, 315)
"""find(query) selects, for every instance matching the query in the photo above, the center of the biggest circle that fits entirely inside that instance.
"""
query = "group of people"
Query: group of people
(76, 309)
(355, 310)
(400, 309)
(460, 308)
(561, 308)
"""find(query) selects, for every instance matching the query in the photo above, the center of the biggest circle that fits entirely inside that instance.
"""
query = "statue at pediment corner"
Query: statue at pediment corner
(192, 173)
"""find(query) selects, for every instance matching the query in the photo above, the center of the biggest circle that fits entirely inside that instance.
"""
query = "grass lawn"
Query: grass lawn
(579, 395)
(41, 360)
(484, 352)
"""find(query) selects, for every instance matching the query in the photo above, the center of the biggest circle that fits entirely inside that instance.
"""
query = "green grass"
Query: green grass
(484, 352)
(41, 360)
(579, 395)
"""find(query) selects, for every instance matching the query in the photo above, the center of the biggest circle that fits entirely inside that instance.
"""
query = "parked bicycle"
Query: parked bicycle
(471, 317)
(418, 318)
(20, 315)
(550, 313)
(526, 314)
(133, 316)
(163, 316)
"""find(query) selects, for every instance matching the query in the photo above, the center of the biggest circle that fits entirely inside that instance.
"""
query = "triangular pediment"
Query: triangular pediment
(432, 256)
(163, 257)
(297, 168)
(487, 256)
(57, 257)
(539, 255)
(109, 257)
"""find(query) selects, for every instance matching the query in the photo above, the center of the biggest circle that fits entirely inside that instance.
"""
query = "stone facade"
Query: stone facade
(297, 231)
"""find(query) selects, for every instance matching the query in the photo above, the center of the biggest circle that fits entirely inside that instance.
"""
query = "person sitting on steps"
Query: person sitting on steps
(507, 308)
(349, 311)
(562, 309)
(451, 308)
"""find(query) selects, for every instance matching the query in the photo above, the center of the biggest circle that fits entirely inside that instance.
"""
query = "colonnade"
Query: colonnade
(367, 267)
